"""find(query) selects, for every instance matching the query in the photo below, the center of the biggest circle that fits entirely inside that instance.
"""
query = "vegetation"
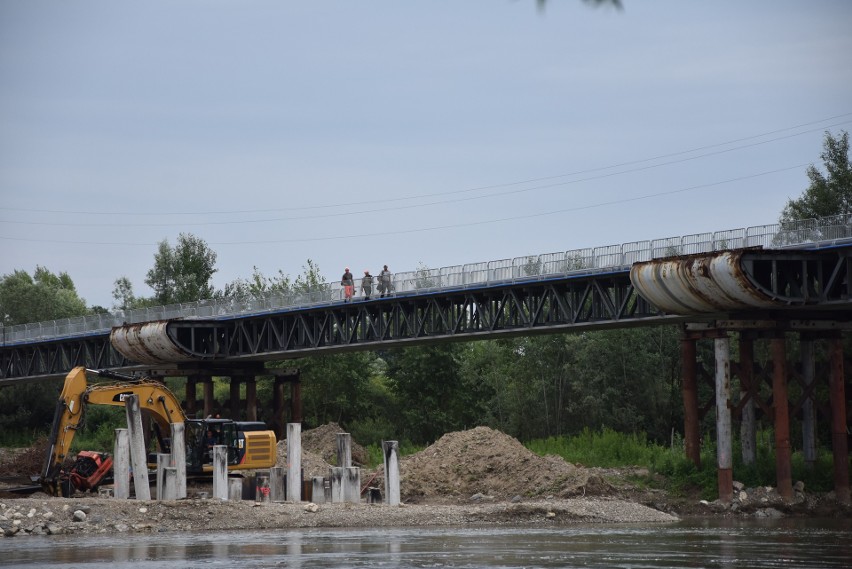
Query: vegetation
(830, 193)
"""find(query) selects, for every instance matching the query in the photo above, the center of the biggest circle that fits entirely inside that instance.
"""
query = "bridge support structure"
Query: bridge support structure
(765, 394)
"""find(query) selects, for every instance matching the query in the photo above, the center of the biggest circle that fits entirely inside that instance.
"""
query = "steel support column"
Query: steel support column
(724, 446)
(207, 382)
(296, 400)
(748, 393)
(234, 403)
(839, 442)
(278, 420)
(783, 468)
(251, 398)
(191, 395)
(806, 348)
(690, 400)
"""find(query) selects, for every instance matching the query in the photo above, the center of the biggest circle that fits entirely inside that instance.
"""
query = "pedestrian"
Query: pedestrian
(367, 284)
(348, 283)
(385, 282)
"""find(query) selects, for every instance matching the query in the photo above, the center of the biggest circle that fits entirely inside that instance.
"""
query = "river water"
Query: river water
(784, 543)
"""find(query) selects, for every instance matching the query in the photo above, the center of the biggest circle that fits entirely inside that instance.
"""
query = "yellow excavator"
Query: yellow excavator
(251, 445)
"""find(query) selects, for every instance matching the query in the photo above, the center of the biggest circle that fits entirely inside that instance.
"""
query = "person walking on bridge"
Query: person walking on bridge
(367, 284)
(348, 284)
(385, 282)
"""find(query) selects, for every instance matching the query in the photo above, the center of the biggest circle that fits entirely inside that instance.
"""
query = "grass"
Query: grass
(669, 468)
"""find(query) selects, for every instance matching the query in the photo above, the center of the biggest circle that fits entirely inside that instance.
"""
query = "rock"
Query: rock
(742, 496)
(47, 515)
(143, 510)
(121, 527)
(550, 515)
(11, 530)
(312, 508)
(799, 486)
(79, 516)
(54, 529)
(477, 497)
(517, 498)
(738, 486)
(31, 513)
(768, 513)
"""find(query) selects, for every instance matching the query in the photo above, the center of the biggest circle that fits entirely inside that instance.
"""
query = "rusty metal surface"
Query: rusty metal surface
(699, 284)
(147, 343)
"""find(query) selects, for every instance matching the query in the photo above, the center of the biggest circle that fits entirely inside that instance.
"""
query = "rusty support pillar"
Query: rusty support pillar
(724, 445)
(748, 430)
(208, 396)
(234, 403)
(806, 348)
(278, 420)
(783, 465)
(251, 398)
(839, 442)
(690, 400)
(191, 395)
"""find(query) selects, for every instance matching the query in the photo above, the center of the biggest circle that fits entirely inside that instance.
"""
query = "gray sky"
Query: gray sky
(361, 133)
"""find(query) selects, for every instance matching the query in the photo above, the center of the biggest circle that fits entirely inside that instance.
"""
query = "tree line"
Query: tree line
(626, 380)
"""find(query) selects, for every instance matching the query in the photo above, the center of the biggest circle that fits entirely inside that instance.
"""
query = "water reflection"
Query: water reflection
(711, 543)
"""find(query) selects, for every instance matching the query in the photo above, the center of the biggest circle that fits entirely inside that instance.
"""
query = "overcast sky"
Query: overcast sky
(438, 133)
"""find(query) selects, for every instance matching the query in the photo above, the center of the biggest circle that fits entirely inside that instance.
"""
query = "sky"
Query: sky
(412, 134)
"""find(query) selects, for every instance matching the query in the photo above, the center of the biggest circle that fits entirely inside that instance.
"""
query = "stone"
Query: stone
(738, 486)
(79, 516)
(54, 529)
(551, 515)
(517, 498)
(799, 486)
(312, 508)
(743, 496)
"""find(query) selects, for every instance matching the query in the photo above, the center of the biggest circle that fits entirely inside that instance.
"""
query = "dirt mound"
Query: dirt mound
(23, 461)
(323, 441)
(312, 463)
(484, 461)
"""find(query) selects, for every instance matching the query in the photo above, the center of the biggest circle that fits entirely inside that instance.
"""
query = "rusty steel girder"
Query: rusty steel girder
(744, 280)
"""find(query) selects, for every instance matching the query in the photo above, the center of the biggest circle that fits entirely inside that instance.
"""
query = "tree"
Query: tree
(182, 273)
(43, 296)
(829, 194)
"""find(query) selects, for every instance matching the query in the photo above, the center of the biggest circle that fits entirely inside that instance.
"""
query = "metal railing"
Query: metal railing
(815, 232)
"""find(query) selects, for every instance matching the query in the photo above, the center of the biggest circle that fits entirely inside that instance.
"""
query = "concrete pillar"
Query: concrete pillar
(783, 455)
(336, 475)
(344, 450)
(748, 425)
(234, 403)
(121, 465)
(318, 489)
(352, 484)
(691, 434)
(724, 445)
(251, 399)
(191, 395)
(806, 348)
(163, 461)
(294, 462)
(170, 483)
(138, 456)
(220, 472)
(208, 396)
(178, 456)
(277, 491)
(390, 449)
(235, 489)
(839, 441)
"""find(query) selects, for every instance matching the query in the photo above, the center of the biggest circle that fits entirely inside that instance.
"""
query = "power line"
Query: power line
(451, 192)
(412, 206)
(442, 227)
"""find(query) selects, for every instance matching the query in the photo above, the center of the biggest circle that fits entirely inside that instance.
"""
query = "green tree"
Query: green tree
(830, 193)
(182, 273)
(42, 296)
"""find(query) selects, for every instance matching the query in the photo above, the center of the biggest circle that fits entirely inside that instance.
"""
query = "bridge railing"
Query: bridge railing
(823, 231)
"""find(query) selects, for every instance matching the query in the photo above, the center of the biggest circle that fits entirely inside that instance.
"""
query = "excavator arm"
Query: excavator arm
(76, 394)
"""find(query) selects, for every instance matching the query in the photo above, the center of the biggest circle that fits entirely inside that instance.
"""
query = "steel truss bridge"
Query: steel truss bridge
(789, 289)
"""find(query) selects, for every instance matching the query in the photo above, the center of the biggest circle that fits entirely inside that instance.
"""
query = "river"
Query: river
(788, 543)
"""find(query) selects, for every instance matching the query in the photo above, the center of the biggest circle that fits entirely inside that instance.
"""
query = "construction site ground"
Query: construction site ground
(477, 476)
